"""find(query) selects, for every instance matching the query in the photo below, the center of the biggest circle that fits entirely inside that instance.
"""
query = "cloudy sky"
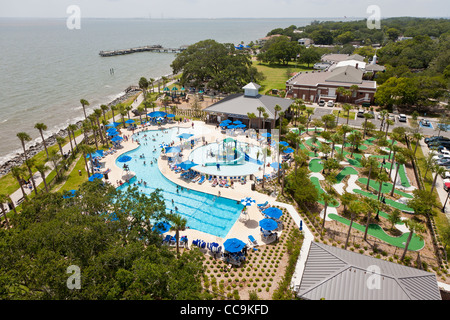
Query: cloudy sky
(223, 8)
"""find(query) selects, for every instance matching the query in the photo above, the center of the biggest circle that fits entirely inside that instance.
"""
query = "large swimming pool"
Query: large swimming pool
(204, 212)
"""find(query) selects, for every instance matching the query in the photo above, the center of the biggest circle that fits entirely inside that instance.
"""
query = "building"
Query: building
(237, 106)
(332, 273)
(263, 41)
(305, 42)
(314, 86)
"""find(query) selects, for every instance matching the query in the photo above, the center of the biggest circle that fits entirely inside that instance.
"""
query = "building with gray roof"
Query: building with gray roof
(237, 106)
(332, 273)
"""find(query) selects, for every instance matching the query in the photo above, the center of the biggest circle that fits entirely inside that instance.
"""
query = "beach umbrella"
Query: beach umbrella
(275, 165)
(289, 150)
(241, 126)
(247, 201)
(268, 224)
(266, 135)
(95, 176)
(159, 119)
(170, 116)
(182, 89)
(93, 155)
(166, 89)
(284, 143)
(273, 212)
(185, 135)
(174, 89)
(237, 122)
(124, 159)
(226, 121)
(163, 145)
(161, 227)
(173, 150)
(117, 139)
(186, 165)
(69, 194)
(111, 130)
(114, 124)
(156, 114)
(233, 245)
(112, 134)
(231, 126)
(200, 92)
(129, 121)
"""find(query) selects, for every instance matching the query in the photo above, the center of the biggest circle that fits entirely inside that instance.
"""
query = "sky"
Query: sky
(158, 9)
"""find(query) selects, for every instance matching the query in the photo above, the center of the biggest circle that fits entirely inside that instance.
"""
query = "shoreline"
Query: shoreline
(18, 159)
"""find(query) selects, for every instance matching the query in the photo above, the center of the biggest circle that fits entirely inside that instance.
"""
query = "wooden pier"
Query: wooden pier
(153, 48)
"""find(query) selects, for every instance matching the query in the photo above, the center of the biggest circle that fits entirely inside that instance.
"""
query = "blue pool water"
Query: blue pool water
(204, 212)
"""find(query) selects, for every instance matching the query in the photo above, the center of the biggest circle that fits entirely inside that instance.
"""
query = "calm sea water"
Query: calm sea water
(46, 68)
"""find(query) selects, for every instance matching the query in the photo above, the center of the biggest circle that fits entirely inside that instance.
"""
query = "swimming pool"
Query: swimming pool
(204, 212)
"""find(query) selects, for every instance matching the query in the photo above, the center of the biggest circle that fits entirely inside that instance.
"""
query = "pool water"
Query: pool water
(204, 212)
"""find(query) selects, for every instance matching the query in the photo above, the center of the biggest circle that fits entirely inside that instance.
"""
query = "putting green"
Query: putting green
(385, 188)
(376, 231)
(315, 165)
(347, 171)
(316, 183)
(394, 204)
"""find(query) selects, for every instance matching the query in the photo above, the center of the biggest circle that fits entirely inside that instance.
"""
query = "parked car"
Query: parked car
(330, 103)
(446, 175)
(322, 103)
(446, 184)
(425, 123)
(437, 141)
(443, 162)
(433, 138)
(360, 113)
(402, 117)
(441, 157)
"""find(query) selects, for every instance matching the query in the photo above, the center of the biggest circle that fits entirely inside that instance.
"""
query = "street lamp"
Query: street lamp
(337, 118)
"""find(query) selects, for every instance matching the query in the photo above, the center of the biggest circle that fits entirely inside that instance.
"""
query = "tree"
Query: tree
(18, 173)
(309, 55)
(260, 110)
(265, 116)
(327, 199)
(55, 157)
(393, 33)
(347, 198)
(370, 163)
(72, 128)
(24, 137)
(277, 109)
(279, 50)
(344, 129)
(84, 104)
(104, 109)
(356, 208)
(218, 65)
(438, 170)
(367, 116)
(414, 227)
(41, 127)
(60, 140)
(41, 167)
(394, 218)
(3, 199)
(382, 178)
(178, 223)
(143, 85)
(347, 107)
(250, 116)
(370, 206)
(401, 160)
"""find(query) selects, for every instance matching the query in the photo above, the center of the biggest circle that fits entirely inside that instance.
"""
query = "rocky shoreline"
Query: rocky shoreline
(19, 159)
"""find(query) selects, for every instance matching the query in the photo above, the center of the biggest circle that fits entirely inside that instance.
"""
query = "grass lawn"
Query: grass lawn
(344, 114)
(277, 75)
(74, 180)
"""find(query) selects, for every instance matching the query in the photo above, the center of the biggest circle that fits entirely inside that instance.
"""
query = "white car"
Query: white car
(445, 152)
(402, 117)
(330, 103)
(441, 157)
(446, 175)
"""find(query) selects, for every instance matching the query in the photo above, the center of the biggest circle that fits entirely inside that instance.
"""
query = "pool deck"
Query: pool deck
(245, 225)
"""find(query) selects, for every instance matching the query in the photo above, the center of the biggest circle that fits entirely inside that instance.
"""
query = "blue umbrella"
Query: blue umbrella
(185, 135)
(111, 130)
(224, 124)
(114, 124)
(266, 135)
(93, 155)
(241, 126)
(124, 159)
(69, 194)
(186, 165)
(157, 114)
(273, 212)
(95, 176)
(284, 143)
(173, 150)
(231, 126)
(129, 121)
(275, 165)
(233, 245)
(247, 201)
(116, 139)
(161, 227)
(237, 122)
(170, 116)
(163, 145)
(159, 119)
(289, 150)
(226, 121)
(268, 224)
(112, 134)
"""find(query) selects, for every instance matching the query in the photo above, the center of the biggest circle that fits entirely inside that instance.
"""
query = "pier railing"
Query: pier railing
(152, 48)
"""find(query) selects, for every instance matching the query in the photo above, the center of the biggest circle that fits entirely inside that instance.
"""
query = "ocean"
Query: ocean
(47, 68)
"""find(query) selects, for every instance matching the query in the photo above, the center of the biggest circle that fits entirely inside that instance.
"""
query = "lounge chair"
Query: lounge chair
(252, 240)
(202, 179)
(166, 240)
(263, 204)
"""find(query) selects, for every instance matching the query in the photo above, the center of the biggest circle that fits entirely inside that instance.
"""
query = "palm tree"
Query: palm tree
(18, 173)
(394, 218)
(104, 109)
(23, 137)
(250, 116)
(429, 163)
(395, 150)
(41, 127)
(417, 136)
(367, 116)
(438, 170)
(114, 108)
(265, 116)
(401, 160)
(143, 84)
(42, 168)
(54, 157)
(382, 178)
(70, 140)
(356, 208)
(347, 107)
(84, 103)
(277, 109)
(327, 199)
(310, 112)
(347, 198)
(389, 122)
(355, 140)
(260, 110)
(371, 205)
(3, 199)
(344, 130)
(98, 114)
(383, 114)
(87, 150)
(178, 223)
(150, 84)
(73, 128)
(60, 141)
(94, 129)
(369, 162)
(414, 227)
